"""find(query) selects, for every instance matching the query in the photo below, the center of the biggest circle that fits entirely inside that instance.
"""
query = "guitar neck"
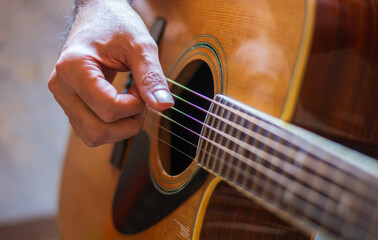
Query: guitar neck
(298, 175)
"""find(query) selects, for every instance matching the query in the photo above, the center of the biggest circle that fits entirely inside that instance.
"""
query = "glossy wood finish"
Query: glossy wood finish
(250, 34)
(339, 94)
(243, 219)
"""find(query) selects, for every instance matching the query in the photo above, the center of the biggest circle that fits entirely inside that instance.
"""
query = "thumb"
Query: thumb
(151, 83)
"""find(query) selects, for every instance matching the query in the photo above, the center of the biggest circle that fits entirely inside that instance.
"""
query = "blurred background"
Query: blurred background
(33, 129)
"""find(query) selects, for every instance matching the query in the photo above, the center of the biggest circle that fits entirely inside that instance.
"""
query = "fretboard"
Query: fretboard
(298, 175)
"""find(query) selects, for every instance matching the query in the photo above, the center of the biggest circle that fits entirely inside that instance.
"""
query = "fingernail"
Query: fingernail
(163, 96)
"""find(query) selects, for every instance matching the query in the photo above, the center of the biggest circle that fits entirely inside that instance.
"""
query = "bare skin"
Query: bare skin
(108, 36)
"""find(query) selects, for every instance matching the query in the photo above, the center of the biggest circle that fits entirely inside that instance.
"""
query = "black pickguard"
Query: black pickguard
(138, 204)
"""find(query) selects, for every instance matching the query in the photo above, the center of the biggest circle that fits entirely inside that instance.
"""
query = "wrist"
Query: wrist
(82, 3)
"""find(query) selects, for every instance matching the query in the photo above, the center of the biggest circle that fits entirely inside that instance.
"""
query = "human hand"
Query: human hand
(108, 36)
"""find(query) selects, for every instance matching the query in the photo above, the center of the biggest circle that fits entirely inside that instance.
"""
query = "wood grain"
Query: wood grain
(339, 94)
(244, 219)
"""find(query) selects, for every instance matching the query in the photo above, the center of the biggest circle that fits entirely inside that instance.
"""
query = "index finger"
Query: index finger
(85, 76)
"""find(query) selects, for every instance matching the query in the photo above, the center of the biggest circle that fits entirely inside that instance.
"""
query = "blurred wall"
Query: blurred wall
(33, 129)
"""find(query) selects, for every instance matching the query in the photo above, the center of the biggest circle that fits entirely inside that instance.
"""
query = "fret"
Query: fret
(279, 168)
(208, 133)
(240, 176)
(213, 135)
(248, 170)
(226, 169)
(252, 142)
(231, 171)
(264, 150)
(256, 158)
(225, 114)
(240, 166)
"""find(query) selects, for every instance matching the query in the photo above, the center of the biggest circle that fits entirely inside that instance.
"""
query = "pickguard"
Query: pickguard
(138, 204)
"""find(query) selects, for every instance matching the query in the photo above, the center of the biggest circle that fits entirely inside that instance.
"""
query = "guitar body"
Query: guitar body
(311, 63)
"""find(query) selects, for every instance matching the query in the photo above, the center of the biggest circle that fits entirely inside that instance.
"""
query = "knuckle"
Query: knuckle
(89, 143)
(95, 137)
(81, 134)
(107, 116)
(152, 79)
(67, 61)
(145, 44)
(51, 85)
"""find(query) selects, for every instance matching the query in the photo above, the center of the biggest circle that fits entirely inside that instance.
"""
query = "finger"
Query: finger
(149, 77)
(85, 76)
(90, 128)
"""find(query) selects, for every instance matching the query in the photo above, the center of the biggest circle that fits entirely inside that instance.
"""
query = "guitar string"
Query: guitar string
(245, 161)
(226, 107)
(265, 126)
(281, 148)
(260, 138)
(263, 183)
(347, 173)
(237, 113)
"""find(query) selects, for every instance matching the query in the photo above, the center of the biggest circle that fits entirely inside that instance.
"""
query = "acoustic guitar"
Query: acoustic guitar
(274, 133)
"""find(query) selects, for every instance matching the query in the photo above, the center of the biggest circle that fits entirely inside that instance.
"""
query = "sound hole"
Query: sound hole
(179, 138)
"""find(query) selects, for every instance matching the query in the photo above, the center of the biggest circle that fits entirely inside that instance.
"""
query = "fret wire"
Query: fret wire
(219, 161)
(238, 149)
(255, 156)
(247, 154)
(280, 166)
(263, 157)
(216, 151)
(222, 156)
(231, 160)
(222, 153)
(234, 147)
(213, 133)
